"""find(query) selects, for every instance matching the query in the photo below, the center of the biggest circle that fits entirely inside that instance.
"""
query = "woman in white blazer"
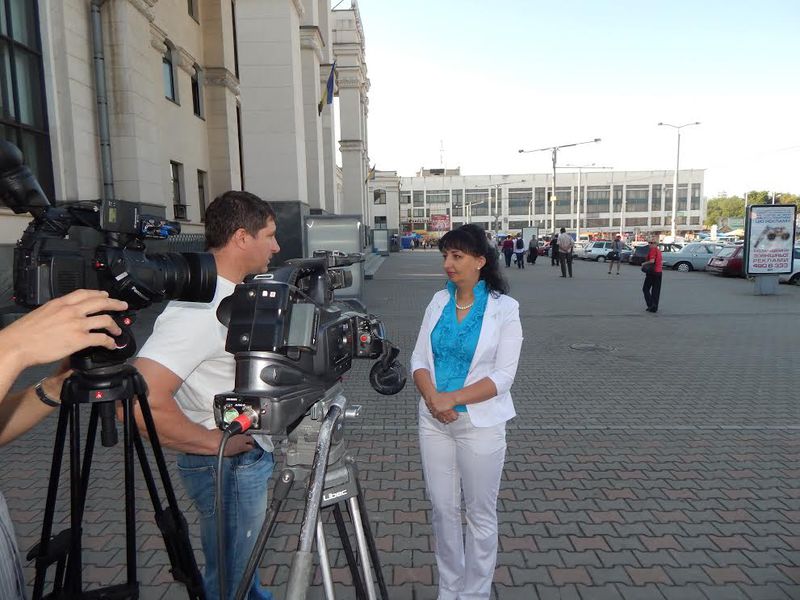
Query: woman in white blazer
(463, 365)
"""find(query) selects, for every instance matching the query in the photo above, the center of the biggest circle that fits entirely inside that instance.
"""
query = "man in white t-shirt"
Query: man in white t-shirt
(185, 364)
(565, 246)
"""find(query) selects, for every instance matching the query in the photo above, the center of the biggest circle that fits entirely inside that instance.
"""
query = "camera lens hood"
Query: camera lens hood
(388, 381)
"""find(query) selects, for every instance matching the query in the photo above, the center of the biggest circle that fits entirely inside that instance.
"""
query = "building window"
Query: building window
(380, 222)
(379, 196)
(519, 201)
(636, 198)
(201, 193)
(437, 197)
(176, 182)
(23, 119)
(405, 198)
(168, 72)
(192, 6)
(419, 199)
(197, 91)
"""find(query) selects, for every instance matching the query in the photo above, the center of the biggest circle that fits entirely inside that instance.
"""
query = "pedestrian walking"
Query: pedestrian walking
(565, 246)
(508, 250)
(469, 345)
(652, 279)
(533, 250)
(519, 252)
(616, 254)
(554, 250)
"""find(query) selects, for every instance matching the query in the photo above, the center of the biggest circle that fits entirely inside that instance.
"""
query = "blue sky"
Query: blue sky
(487, 78)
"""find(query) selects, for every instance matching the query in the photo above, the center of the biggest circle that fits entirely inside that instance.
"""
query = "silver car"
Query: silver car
(692, 257)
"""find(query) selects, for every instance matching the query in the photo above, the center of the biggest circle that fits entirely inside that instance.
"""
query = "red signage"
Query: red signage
(440, 222)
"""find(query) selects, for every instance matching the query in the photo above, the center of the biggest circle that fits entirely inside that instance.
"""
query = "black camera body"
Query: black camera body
(50, 261)
(292, 342)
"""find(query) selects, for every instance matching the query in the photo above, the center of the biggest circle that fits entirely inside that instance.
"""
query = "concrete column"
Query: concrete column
(270, 72)
(352, 146)
(311, 55)
(222, 92)
(134, 45)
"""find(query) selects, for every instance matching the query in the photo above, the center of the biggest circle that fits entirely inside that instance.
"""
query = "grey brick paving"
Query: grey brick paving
(664, 468)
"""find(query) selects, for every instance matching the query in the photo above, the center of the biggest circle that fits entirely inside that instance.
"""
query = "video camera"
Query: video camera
(292, 342)
(48, 263)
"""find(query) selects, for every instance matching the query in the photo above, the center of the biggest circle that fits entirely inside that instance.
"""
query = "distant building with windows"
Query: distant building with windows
(606, 202)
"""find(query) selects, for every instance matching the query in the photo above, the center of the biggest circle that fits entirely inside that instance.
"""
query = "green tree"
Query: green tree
(723, 207)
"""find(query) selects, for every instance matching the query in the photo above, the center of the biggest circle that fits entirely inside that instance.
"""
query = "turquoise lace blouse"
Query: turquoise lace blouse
(454, 343)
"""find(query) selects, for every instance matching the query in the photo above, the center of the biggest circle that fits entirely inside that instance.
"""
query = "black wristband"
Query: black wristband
(42, 395)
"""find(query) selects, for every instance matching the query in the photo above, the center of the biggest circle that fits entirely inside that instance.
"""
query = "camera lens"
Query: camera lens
(187, 276)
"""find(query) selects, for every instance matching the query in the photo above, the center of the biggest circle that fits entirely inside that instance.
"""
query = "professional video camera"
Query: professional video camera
(48, 263)
(292, 342)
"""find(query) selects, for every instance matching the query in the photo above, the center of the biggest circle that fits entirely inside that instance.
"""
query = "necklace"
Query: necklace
(467, 307)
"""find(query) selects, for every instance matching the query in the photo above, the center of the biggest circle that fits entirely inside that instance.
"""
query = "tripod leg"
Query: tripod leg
(324, 562)
(171, 522)
(281, 490)
(130, 493)
(74, 582)
(363, 551)
(373, 548)
(352, 563)
(49, 510)
(302, 564)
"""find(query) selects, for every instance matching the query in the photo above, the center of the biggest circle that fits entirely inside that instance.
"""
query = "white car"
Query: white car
(794, 276)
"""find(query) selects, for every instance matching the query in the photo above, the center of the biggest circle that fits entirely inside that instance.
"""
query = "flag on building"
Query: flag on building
(327, 93)
(370, 174)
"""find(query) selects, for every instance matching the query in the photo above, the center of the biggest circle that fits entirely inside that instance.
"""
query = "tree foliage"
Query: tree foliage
(723, 207)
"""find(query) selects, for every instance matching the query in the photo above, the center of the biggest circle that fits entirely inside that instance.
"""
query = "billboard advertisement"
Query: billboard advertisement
(769, 238)
(440, 222)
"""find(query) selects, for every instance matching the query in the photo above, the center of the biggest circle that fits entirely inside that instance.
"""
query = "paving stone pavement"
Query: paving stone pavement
(656, 459)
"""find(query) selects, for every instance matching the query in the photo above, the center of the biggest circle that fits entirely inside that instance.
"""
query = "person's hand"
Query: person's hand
(441, 406)
(239, 444)
(61, 327)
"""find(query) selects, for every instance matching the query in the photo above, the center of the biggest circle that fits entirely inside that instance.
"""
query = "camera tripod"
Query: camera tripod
(315, 450)
(102, 388)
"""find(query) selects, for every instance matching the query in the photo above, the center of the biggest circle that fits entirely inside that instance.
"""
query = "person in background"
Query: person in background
(533, 250)
(565, 244)
(519, 252)
(463, 364)
(653, 268)
(554, 250)
(616, 254)
(508, 249)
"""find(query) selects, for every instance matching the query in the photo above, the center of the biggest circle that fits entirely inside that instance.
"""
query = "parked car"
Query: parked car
(579, 249)
(729, 261)
(794, 276)
(596, 250)
(640, 253)
(692, 257)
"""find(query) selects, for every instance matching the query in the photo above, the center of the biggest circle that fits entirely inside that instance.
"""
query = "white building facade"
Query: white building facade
(203, 96)
(593, 203)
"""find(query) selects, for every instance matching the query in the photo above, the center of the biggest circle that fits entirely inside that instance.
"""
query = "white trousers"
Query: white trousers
(457, 458)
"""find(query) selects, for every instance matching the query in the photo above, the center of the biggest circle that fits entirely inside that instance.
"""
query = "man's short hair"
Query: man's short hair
(563, 230)
(232, 211)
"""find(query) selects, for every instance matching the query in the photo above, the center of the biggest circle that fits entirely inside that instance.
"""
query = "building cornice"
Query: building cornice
(158, 38)
(351, 145)
(311, 39)
(222, 77)
(185, 61)
(349, 82)
(145, 7)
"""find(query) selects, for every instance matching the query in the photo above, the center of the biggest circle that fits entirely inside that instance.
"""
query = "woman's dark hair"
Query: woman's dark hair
(471, 239)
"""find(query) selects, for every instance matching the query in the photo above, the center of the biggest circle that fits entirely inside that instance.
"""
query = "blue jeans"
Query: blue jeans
(244, 505)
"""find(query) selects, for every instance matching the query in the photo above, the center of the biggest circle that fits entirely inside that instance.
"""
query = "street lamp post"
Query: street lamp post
(554, 150)
(498, 204)
(580, 169)
(673, 230)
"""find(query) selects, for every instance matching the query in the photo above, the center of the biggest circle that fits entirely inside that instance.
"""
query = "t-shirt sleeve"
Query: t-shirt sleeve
(183, 337)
